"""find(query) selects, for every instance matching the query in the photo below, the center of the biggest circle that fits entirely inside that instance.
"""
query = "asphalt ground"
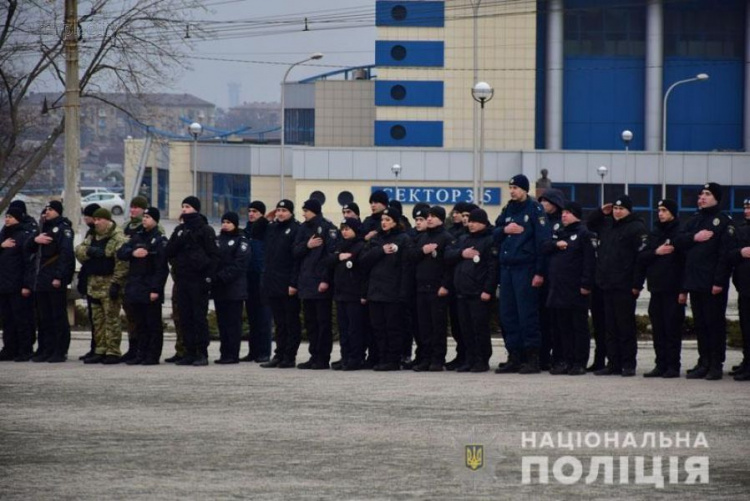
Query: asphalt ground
(73, 431)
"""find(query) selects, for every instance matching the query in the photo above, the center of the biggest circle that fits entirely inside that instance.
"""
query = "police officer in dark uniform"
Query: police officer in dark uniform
(370, 228)
(350, 211)
(258, 312)
(144, 288)
(315, 241)
(15, 292)
(279, 285)
(192, 248)
(385, 258)
(572, 267)
(230, 287)
(412, 333)
(28, 222)
(739, 259)
(433, 283)
(82, 285)
(663, 266)
(473, 258)
(521, 230)
(348, 292)
(622, 236)
(707, 239)
(457, 227)
(137, 207)
(552, 201)
(55, 265)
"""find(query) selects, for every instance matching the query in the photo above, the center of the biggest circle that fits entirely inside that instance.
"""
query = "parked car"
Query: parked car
(111, 201)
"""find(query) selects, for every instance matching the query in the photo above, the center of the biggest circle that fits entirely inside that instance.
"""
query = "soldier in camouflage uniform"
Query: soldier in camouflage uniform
(106, 276)
(137, 207)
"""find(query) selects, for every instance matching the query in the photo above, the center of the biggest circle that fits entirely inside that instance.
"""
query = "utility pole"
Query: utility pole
(72, 202)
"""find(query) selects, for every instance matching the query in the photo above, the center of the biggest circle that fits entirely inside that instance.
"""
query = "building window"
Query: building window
(398, 92)
(398, 52)
(696, 29)
(600, 31)
(398, 13)
(398, 132)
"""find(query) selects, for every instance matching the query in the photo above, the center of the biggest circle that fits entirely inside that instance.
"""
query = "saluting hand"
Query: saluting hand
(485, 297)
(315, 241)
(140, 253)
(562, 245)
(8, 243)
(537, 281)
(43, 239)
(703, 235)
(292, 291)
(664, 250)
(607, 209)
(469, 253)
(682, 298)
(344, 256)
(389, 249)
(745, 252)
(442, 292)
(513, 229)
(153, 296)
(322, 287)
(371, 234)
(429, 248)
(716, 290)
(56, 283)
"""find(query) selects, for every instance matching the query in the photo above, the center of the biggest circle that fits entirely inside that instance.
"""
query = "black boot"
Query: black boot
(531, 365)
(511, 366)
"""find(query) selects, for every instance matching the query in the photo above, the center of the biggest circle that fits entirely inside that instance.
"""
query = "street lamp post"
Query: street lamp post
(482, 92)
(627, 136)
(700, 77)
(195, 130)
(602, 171)
(313, 57)
(396, 169)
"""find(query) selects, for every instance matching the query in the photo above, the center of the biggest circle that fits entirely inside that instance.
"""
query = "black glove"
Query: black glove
(114, 291)
(94, 252)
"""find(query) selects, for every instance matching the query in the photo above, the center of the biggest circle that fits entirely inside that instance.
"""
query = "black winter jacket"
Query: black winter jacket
(280, 270)
(349, 277)
(16, 260)
(664, 273)
(312, 264)
(472, 277)
(147, 274)
(431, 270)
(571, 269)
(706, 262)
(192, 249)
(56, 260)
(231, 274)
(741, 265)
(388, 274)
(620, 242)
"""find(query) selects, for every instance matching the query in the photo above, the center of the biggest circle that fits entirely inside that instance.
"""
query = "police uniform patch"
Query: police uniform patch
(434, 253)
(507, 220)
(476, 259)
(288, 230)
(332, 233)
(230, 243)
(153, 240)
(55, 229)
(556, 226)
(282, 204)
(644, 242)
(717, 221)
(349, 265)
(595, 242)
(179, 233)
(542, 221)
(730, 230)
(243, 246)
(526, 218)
(68, 233)
(320, 230)
(573, 237)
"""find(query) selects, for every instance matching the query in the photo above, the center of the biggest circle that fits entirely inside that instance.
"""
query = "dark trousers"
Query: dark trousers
(319, 329)
(455, 321)
(387, 328)
(352, 318)
(546, 348)
(192, 301)
(667, 316)
(743, 304)
(149, 330)
(519, 308)
(373, 357)
(258, 319)
(600, 326)
(571, 332)
(229, 320)
(432, 314)
(285, 310)
(54, 328)
(18, 335)
(622, 345)
(411, 330)
(709, 316)
(475, 329)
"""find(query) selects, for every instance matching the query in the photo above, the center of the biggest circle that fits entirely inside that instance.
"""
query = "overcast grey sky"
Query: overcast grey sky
(276, 41)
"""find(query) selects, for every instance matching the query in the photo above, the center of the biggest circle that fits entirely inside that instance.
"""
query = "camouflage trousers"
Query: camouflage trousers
(105, 314)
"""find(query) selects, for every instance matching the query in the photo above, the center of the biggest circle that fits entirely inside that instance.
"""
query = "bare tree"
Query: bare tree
(130, 46)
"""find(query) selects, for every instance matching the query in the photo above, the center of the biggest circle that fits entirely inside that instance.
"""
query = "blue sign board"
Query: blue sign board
(438, 195)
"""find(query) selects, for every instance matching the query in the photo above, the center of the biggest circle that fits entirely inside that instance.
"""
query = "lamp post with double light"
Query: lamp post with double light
(602, 171)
